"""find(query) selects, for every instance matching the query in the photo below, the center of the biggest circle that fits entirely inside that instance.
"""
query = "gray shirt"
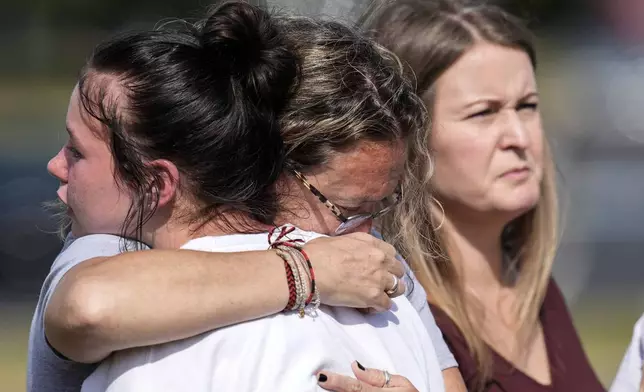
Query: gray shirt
(418, 298)
(48, 371)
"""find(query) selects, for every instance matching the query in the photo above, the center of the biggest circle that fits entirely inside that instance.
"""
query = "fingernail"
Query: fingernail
(322, 377)
(360, 366)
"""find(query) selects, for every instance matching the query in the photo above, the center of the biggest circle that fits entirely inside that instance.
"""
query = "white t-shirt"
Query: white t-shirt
(282, 352)
(629, 375)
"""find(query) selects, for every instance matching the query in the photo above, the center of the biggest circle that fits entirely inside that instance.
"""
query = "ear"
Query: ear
(167, 184)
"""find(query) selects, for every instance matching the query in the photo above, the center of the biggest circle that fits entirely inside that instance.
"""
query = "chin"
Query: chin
(517, 207)
(522, 198)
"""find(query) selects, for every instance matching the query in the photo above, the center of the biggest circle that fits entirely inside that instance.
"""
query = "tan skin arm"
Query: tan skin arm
(150, 297)
(453, 380)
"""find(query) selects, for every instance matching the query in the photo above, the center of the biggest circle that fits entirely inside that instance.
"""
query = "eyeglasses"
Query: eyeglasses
(351, 222)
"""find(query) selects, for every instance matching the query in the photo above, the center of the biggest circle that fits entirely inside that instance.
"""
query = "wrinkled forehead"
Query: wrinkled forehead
(487, 70)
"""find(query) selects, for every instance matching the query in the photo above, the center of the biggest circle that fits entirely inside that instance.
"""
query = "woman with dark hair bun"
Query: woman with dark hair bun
(244, 132)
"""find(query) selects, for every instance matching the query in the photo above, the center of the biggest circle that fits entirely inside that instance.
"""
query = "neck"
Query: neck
(174, 232)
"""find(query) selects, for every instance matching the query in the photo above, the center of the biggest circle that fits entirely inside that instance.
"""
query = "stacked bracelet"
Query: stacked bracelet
(300, 275)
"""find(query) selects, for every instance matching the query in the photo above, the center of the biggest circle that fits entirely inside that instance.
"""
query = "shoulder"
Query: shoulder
(446, 359)
(74, 252)
(77, 250)
(554, 295)
(564, 343)
(445, 323)
(554, 309)
(416, 294)
(45, 366)
(638, 331)
(95, 245)
(455, 342)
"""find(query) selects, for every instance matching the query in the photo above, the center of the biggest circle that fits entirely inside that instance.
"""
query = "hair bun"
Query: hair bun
(243, 41)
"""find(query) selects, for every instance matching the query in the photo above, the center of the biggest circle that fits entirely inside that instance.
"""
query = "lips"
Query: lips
(517, 174)
(517, 170)
(62, 194)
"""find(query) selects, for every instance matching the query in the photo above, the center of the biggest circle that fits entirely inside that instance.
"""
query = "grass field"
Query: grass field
(14, 332)
(605, 332)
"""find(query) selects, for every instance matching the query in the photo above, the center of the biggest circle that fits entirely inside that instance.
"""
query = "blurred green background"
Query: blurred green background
(591, 75)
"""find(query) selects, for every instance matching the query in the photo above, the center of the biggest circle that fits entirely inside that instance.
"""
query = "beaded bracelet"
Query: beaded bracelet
(290, 280)
(297, 291)
(300, 274)
(305, 269)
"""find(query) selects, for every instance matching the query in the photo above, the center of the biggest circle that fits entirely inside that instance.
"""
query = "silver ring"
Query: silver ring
(393, 288)
(387, 378)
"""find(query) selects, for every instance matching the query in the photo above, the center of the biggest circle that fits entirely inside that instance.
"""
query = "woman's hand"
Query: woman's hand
(367, 380)
(355, 270)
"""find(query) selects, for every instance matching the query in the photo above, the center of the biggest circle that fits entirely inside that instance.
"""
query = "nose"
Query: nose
(515, 135)
(57, 166)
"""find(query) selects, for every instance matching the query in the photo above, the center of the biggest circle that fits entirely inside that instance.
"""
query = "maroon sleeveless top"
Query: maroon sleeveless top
(570, 369)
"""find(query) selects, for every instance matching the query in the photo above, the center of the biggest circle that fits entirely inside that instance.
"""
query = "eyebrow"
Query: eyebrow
(71, 134)
(529, 95)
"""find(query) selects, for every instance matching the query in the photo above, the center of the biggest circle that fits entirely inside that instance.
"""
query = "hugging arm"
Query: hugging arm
(133, 299)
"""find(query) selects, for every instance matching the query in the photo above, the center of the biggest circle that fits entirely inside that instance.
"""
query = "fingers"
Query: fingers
(387, 249)
(367, 380)
(395, 267)
(383, 304)
(356, 270)
(372, 377)
(400, 290)
(390, 251)
(376, 378)
(391, 263)
(388, 283)
(339, 383)
(388, 255)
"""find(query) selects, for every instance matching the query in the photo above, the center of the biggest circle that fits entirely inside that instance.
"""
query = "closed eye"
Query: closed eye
(481, 113)
(74, 152)
(528, 106)
(369, 206)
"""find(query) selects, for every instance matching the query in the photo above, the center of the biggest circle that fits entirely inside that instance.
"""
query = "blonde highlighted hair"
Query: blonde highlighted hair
(430, 36)
(350, 89)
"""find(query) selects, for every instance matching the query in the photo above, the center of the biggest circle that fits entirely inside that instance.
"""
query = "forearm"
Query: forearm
(151, 297)
(453, 380)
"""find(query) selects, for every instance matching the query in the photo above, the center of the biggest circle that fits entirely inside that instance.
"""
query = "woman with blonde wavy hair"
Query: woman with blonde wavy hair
(481, 232)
